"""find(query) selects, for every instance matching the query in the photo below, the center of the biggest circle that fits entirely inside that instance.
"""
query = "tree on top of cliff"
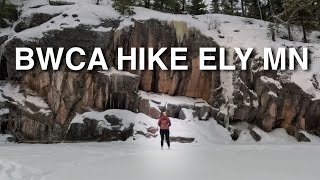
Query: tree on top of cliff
(197, 7)
(124, 6)
(8, 12)
(300, 13)
(215, 6)
(171, 6)
(229, 6)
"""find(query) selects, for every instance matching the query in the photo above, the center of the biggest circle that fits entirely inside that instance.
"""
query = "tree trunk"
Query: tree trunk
(273, 33)
(147, 3)
(183, 5)
(259, 9)
(289, 32)
(270, 9)
(242, 8)
(231, 4)
(305, 40)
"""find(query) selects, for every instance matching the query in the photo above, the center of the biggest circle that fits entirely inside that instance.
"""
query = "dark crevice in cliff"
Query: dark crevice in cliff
(118, 100)
(3, 69)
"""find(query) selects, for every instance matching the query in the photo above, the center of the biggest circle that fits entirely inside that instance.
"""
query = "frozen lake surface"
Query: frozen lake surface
(139, 161)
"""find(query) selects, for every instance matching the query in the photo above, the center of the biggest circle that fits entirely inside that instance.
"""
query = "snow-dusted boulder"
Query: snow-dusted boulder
(203, 111)
(112, 129)
(110, 125)
(173, 110)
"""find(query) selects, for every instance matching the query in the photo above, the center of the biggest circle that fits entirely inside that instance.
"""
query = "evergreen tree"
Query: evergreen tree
(124, 6)
(171, 6)
(229, 6)
(301, 13)
(158, 5)
(8, 12)
(197, 7)
(242, 8)
(183, 5)
(254, 9)
(147, 4)
(215, 6)
(276, 6)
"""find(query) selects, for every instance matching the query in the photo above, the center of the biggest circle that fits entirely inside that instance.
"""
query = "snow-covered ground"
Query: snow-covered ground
(145, 160)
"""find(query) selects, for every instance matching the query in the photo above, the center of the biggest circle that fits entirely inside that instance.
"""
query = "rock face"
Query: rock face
(285, 105)
(270, 101)
(29, 117)
(156, 34)
(261, 98)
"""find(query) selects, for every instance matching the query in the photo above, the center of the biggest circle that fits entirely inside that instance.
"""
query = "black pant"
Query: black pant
(165, 133)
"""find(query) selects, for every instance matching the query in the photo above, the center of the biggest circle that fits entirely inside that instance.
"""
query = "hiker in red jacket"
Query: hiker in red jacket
(164, 124)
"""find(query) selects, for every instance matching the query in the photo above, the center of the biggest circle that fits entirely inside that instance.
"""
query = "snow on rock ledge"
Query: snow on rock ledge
(113, 125)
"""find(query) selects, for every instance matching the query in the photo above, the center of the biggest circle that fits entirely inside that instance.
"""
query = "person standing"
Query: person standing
(164, 124)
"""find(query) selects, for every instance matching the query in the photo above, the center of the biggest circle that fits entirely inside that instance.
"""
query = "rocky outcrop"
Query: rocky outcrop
(261, 98)
(92, 130)
(29, 117)
(69, 92)
(285, 103)
(269, 100)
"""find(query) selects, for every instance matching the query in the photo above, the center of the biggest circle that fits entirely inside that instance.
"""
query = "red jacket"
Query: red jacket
(164, 122)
